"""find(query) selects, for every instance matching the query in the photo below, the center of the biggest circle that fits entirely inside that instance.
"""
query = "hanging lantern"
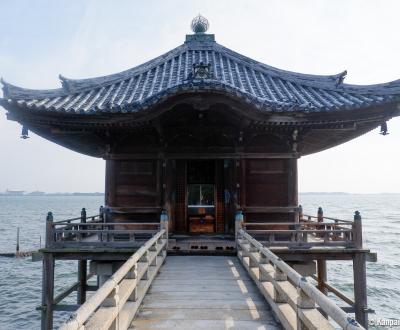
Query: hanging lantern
(24, 133)
(384, 129)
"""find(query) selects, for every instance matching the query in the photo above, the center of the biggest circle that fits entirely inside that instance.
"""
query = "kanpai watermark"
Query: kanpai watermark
(388, 323)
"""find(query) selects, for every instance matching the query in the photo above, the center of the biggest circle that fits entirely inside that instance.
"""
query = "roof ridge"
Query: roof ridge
(12, 91)
(79, 85)
(293, 76)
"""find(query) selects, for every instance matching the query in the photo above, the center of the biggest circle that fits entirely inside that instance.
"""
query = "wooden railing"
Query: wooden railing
(297, 302)
(96, 231)
(115, 303)
(308, 231)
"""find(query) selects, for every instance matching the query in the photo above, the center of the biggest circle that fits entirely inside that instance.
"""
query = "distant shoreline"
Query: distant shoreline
(65, 194)
(51, 194)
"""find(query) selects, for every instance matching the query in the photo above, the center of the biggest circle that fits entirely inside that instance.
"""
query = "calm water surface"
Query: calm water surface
(20, 279)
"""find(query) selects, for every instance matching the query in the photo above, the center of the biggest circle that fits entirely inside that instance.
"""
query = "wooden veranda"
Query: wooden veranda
(253, 282)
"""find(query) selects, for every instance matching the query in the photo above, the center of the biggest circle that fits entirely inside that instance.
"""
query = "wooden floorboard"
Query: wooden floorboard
(204, 292)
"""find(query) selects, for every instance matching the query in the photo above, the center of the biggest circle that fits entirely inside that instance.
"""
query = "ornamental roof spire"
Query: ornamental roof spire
(199, 24)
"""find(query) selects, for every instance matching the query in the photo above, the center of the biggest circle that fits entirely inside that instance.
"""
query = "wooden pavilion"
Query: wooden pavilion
(202, 132)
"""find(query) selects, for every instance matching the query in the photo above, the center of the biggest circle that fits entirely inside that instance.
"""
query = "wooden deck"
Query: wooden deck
(204, 292)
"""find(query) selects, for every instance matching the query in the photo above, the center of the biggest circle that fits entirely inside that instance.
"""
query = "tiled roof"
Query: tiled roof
(268, 88)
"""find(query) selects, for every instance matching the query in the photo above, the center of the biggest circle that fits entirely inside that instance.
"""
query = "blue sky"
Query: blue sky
(80, 39)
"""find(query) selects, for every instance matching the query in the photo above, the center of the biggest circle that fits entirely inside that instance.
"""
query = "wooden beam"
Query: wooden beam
(202, 155)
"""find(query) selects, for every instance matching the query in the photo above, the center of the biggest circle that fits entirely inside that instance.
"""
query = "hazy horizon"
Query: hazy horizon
(83, 39)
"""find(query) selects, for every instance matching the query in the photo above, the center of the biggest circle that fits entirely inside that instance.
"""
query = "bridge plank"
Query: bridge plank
(204, 292)
(201, 325)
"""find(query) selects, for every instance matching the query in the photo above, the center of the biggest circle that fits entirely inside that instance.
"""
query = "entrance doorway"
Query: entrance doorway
(201, 196)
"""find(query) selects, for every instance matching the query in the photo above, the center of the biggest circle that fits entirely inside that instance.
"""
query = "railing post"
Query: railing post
(164, 225)
(132, 274)
(320, 218)
(145, 259)
(83, 215)
(279, 276)
(238, 224)
(112, 299)
(357, 230)
(303, 302)
(301, 213)
(49, 230)
(83, 220)
(263, 261)
(101, 213)
(320, 215)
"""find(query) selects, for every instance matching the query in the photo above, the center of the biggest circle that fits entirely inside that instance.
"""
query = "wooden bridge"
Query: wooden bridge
(253, 288)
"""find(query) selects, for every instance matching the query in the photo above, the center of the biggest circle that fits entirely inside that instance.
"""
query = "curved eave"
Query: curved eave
(269, 88)
(203, 86)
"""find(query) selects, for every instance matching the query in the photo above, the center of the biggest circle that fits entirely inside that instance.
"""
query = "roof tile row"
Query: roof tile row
(270, 88)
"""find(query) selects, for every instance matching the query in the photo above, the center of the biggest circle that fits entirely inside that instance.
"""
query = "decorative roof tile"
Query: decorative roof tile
(202, 64)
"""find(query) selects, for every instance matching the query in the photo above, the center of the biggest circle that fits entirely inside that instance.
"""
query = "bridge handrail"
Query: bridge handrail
(78, 319)
(327, 218)
(341, 233)
(307, 290)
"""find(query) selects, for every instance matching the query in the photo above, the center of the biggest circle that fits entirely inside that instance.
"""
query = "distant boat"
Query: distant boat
(14, 192)
(36, 193)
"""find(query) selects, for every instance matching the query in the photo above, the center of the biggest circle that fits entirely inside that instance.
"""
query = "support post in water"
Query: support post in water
(82, 280)
(322, 278)
(17, 246)
(360, 274)
(47, 291)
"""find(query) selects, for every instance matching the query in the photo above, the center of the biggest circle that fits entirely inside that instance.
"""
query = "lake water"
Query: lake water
(20, 278)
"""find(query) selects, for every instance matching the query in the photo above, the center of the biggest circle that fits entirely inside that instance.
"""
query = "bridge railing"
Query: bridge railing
(95, 230)
(295, 300)
(115, 303)
(309, 231)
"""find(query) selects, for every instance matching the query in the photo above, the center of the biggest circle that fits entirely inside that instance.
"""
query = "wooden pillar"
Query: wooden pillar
(360, 274)
(242, 184)
(47, 292)
(360, 289)
(292, 192)
(322, 276)
(110, 182)
(82, 279)
(292, 182)
(169, 191)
